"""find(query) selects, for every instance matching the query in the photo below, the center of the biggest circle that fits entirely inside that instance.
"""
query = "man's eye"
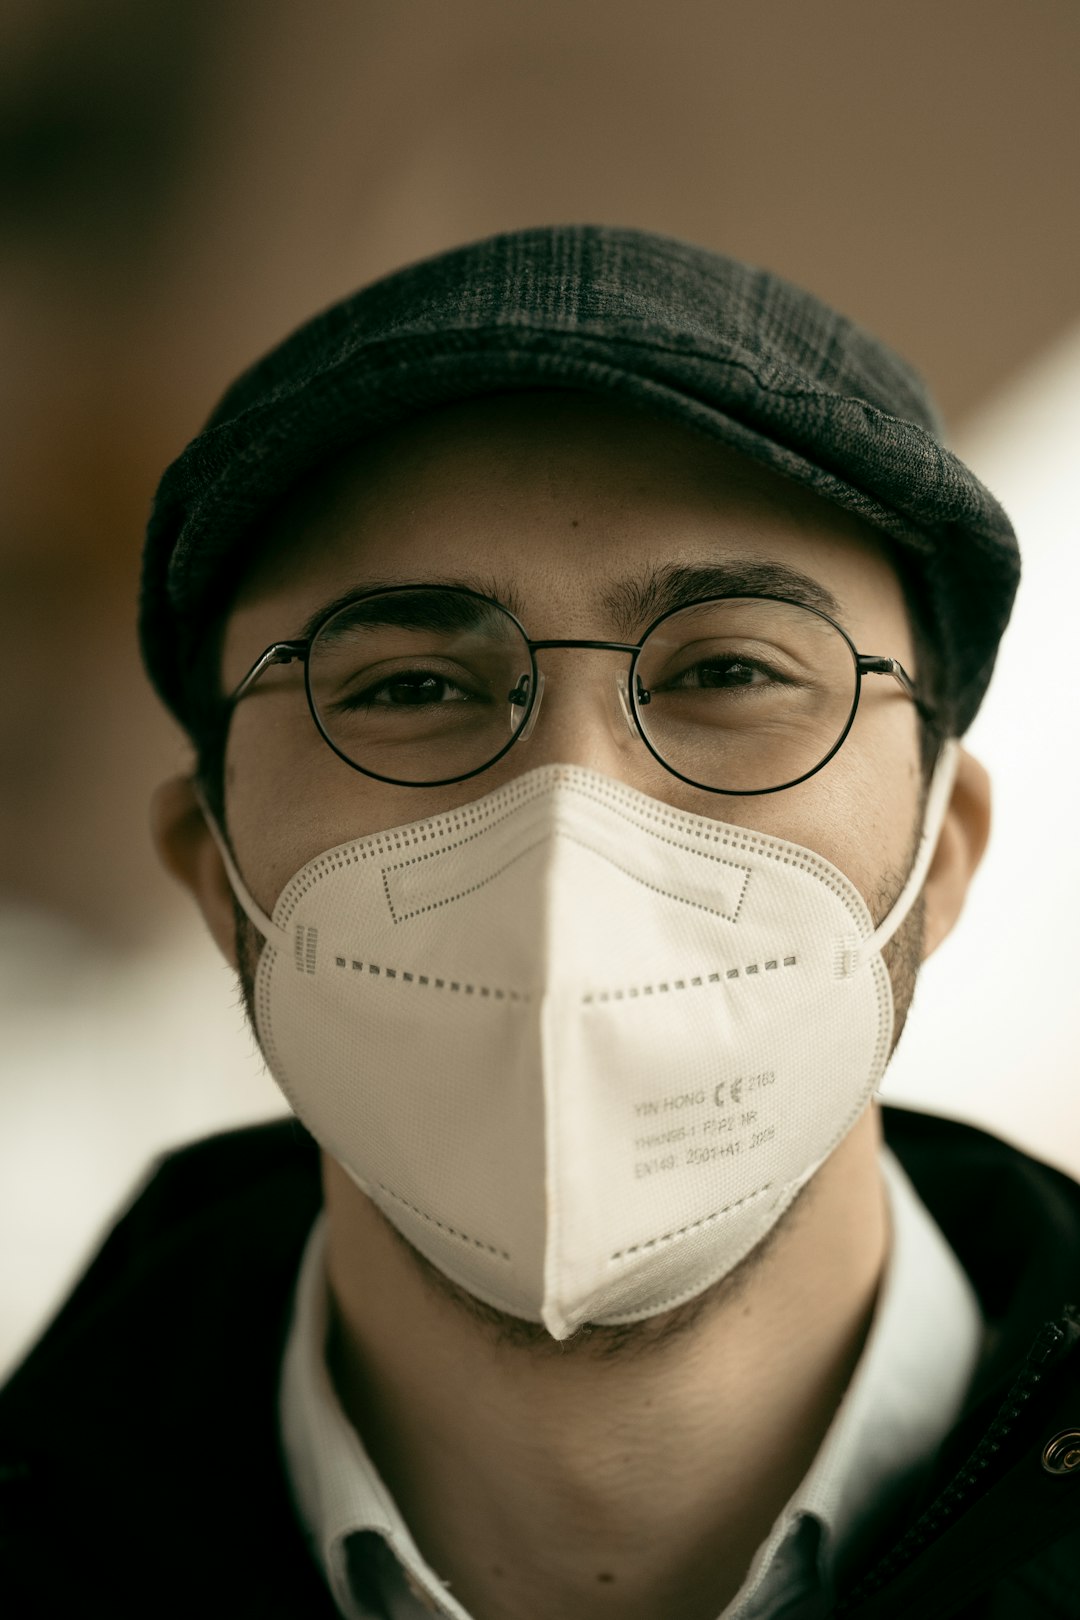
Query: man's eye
(724, 674)
(409, 689)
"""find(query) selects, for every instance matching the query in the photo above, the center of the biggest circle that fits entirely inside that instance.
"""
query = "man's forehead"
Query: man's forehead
(565, 434)
(442, 487)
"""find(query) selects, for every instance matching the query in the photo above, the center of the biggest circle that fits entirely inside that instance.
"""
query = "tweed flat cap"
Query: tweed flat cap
(732, 351)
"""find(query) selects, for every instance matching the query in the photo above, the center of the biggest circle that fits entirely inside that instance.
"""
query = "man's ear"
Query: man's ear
(964, 836)
(187, 849)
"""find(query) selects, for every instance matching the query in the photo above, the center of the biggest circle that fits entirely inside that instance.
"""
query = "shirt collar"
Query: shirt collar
(337, 1487)
(904, 1396)
(906, 1393)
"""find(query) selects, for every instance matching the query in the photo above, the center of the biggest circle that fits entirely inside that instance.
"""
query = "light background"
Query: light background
(995, 1029)
(185, 180)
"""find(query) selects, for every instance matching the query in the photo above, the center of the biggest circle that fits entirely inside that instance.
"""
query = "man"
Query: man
(574, 632)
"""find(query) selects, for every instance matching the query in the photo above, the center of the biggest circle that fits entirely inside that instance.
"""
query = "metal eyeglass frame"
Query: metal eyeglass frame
(287, 652)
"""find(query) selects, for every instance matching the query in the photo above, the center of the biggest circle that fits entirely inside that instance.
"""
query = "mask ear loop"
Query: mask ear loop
(937, 803)
(246, 901)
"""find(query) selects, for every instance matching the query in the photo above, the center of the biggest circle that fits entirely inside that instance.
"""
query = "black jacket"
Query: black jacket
(139, 1467)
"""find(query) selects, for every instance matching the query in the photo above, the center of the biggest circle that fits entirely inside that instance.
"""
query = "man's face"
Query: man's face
(561, 506)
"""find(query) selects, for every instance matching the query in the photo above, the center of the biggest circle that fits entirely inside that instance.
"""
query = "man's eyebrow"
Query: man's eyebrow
(636, 603)
(424, 614)
(630, 604)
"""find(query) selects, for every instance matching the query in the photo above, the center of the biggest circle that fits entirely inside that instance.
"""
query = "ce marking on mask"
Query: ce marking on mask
(723, 1123)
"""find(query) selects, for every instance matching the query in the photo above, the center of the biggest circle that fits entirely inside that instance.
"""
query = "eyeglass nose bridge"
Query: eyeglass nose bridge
(519, 699)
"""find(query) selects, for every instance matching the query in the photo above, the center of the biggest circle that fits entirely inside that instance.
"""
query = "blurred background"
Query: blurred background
(182, 181)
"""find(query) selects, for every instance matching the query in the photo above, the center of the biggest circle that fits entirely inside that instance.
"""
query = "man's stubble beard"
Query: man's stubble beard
(605, 1341)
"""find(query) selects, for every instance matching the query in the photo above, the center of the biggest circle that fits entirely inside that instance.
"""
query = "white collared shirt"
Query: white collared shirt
(904, 1396)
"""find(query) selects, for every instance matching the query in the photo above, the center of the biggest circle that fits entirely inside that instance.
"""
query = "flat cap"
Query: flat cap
(732, 351)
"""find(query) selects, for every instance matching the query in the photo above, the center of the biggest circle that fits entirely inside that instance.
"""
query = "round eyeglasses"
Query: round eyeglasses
(425, 685)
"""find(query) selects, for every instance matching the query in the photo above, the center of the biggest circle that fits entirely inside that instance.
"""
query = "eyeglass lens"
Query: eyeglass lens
(423, 686)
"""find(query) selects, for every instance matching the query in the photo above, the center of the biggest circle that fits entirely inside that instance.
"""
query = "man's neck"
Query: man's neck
(600, 1480)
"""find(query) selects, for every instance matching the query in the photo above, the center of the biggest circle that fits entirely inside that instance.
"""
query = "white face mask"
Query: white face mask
(581, 1049)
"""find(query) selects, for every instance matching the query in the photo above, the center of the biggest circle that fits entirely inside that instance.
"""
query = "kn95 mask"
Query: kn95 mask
(580, 1048)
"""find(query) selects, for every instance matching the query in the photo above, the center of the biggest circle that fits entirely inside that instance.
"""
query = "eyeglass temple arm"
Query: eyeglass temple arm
(282, 652)
(869, 665)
